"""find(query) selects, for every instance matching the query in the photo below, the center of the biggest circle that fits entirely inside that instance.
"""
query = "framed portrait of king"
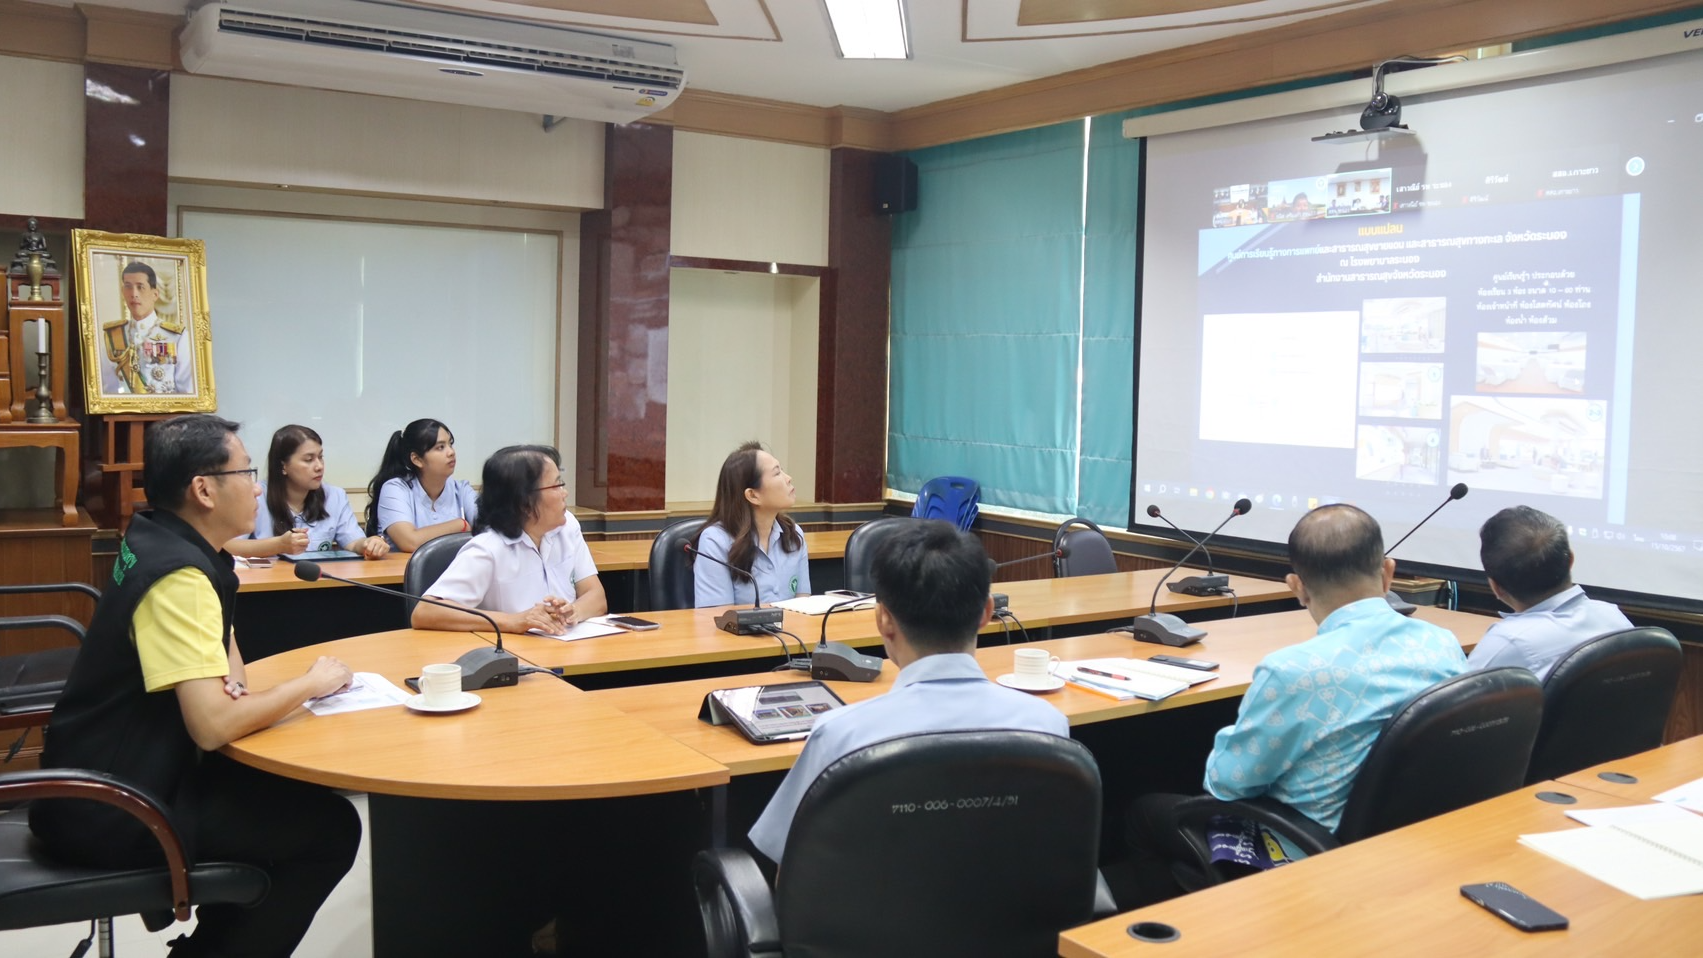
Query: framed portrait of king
(142, 314)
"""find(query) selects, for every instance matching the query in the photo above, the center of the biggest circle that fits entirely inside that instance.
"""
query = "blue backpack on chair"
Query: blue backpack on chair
(953, 498)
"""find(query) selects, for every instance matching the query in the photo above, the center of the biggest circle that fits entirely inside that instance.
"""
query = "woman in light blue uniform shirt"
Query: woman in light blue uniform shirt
(749, 530)
(415, 497)
(297, 512)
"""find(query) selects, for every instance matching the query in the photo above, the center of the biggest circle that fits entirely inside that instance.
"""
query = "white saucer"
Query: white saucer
(1051, 683)
(418, 704)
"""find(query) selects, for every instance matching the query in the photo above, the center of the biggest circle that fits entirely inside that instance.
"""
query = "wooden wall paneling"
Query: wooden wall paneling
(35, 547)
(124, 166)
(851, 403)
(1686, 719)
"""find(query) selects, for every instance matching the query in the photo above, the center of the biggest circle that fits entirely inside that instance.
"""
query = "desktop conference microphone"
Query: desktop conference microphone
(753, 621)
(1209, 584)
(1162, 628)
(1397, 602)
(838, 661)
(483, 668)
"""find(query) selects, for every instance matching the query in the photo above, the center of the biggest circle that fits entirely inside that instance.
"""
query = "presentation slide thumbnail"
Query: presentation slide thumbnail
(1398, 454)
(1536, 446)
(1358, 193)
(1401, 390)
(1242, 205)
(1412, 324)
(1531, 363)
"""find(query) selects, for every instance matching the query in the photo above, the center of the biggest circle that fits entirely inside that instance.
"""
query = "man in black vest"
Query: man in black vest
(159, 688)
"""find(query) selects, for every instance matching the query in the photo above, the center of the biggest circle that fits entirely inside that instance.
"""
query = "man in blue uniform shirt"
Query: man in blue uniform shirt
(931, 588)
(1529, 563)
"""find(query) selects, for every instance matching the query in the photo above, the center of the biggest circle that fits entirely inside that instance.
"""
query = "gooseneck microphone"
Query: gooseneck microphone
(1397, 602)
(1154, 513)
(482, 668)
(753, 621)
(1163, 628)
(838, 661)
(1049, 554)
(1209, 584)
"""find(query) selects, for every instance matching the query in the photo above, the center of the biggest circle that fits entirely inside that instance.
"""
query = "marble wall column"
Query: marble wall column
(623, 354)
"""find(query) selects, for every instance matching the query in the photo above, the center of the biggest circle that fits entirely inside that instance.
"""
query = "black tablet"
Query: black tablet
(770, 713)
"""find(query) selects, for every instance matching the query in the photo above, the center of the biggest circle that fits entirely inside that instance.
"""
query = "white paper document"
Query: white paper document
(589, 629)
(820, 604)
(1629, 814)
(1646, 860)
(369, 690)
(1689, 795)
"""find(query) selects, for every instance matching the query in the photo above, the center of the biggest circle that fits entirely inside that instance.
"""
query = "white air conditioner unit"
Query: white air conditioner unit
(387, 49)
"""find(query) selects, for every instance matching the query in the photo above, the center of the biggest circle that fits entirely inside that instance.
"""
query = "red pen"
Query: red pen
(1108, 675)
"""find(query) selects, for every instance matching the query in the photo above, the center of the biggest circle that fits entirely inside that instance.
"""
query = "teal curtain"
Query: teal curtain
(1108, 324)
(985, 319)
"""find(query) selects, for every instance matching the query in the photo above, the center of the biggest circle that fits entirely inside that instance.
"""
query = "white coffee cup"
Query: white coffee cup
(440, 685)
(1033, 666)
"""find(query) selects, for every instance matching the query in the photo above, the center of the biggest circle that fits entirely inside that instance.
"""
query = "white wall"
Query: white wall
(241, 133)
(41, 150)
(750, 200)
(741, 365)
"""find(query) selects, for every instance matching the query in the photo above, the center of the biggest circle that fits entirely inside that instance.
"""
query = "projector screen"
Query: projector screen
(1507, 298)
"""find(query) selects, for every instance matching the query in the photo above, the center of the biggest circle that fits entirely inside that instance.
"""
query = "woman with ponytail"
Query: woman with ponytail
(415, 496)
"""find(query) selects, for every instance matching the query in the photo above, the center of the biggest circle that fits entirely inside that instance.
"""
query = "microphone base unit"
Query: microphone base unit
(488, 668)
(749, 621)
(1163, 628)
(1001, 602)
(1200, 585)
(838, 662)
(1400, 604)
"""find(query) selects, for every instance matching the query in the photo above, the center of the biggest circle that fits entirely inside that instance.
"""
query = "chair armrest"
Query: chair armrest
(736, 903)
(35, 587)
(13, 623)
(1105, 905)
(101, 787)
(1307, 835)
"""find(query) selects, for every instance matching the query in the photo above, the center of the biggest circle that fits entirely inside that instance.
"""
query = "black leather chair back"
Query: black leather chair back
(1461, 741)
(953, 843)
(1607, 699)
(861, 546)
(426, 565)
(671, 565)
(1080, 548)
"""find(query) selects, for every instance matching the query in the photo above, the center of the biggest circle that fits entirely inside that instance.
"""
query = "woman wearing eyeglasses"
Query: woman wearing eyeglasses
(528, 565)
(297, 512)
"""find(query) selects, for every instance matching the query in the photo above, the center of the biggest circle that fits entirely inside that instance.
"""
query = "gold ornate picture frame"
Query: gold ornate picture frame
(146, 335)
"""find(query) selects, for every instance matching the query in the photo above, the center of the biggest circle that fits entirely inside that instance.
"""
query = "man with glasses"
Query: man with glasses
(159, 687)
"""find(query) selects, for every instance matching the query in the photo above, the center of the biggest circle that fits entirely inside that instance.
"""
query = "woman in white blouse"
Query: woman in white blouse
(528, 565)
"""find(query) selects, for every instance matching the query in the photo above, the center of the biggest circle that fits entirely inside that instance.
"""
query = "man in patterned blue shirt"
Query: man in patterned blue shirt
(1313, 710)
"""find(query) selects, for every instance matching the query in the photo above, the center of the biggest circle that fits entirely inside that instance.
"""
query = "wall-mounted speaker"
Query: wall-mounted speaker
(895, 184)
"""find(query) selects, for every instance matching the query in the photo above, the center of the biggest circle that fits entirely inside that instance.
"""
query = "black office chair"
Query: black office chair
(671, 565)
(952, 843)
(1461, 741)
(1607, 699)
(1081, 551)
(861, 546)
(426, 565)
(30, 682)
(36, 890)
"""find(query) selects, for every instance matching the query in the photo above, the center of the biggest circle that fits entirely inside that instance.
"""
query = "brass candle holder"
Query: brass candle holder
(43, 413)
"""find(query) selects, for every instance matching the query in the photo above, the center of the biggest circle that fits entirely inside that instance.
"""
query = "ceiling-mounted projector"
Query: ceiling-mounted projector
(1382, 116)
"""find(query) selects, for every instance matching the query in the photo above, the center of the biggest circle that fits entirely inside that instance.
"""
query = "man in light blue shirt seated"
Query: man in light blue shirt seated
(931, 588)
(1529, 562)
(1313, 710)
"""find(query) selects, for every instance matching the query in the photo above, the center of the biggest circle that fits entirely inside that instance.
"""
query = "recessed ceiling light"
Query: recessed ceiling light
(869, 29)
